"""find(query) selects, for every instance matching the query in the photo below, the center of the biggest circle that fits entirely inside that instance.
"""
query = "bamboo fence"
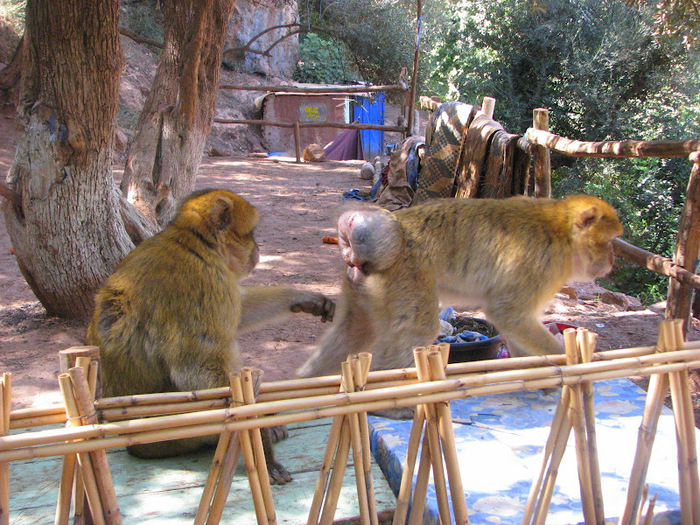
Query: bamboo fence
(234, 414)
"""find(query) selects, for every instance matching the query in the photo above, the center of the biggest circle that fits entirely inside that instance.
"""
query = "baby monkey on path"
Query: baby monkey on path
(167, 318)
(506, 256)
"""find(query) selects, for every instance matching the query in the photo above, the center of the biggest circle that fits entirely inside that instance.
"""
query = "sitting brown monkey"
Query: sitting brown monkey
(167, 318)
(508, 257)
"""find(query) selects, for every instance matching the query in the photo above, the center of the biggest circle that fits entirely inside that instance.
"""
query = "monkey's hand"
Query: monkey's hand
(263, 305)
(315, 304)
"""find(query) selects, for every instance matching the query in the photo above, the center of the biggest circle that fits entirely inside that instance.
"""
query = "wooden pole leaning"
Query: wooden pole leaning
(347, 430)
(5, 408)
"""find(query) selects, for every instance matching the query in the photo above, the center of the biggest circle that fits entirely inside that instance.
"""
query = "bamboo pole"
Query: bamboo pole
(449, 448)
(87, 473)
(432, 431)
(420, 491)
(116, 408)
(324, 473)
(542, 156)
(560, 420)
(250, 381)
(309, 387)
(249, 459)
(579, 425)
(656, 392)
(414, 440)
(231, 456)
(361, 365)
(215, 471)
(356, 443)
(685, 430)
(98, 458)
(71, 486)
(586, 342)
(5, 411)
(336, 480)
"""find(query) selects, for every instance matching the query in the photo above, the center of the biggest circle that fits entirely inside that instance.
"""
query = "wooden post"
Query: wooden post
(414, 74)
(488, 105)
(543, 163)
(297, 140)
(687, 247)
(5, 397)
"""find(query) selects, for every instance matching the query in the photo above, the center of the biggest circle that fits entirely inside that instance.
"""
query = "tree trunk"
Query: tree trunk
(178, 113)
(67, 233)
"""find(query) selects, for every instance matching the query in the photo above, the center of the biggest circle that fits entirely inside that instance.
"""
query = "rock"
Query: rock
(569, 291)
(367, 171)
(216, 152)
(314, 153)
(625, 302)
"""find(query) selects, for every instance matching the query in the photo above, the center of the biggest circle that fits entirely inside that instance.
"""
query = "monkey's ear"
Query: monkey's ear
(587, 217)
(221, 215)
(233, 212)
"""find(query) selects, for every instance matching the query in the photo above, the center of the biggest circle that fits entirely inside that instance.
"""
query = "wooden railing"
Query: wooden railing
(680, 270)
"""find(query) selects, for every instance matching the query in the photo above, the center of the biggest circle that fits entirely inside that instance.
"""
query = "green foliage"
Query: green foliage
(604, 73)
(144, 18)
(324, 60)
(12, 12)
(379, 34)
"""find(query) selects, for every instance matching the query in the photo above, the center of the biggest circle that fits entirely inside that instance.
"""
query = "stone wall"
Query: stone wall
(250, 18)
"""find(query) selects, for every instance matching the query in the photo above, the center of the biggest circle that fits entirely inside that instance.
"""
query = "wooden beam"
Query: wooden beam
(398, 129)
(321, 90)
(624, 148)
(655, 263)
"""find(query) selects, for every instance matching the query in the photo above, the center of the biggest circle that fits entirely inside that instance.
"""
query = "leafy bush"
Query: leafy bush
(604, 73)
(324, 60)
(143, 18)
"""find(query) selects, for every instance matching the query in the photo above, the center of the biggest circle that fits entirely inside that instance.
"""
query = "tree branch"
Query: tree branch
(10, 194)
(139, 39)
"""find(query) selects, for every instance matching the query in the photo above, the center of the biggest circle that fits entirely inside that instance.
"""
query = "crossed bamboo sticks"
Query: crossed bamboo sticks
(347, 430)
(244, 387)
(85, 475)
(575, 410)
(438, 452)
(670, 339)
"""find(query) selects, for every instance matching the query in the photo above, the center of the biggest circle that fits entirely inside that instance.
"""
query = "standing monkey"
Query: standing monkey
(167, 318)
(508, 257)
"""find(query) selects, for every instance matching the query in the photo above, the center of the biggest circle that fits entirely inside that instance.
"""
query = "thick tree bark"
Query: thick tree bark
(178, 113)
(67, 232)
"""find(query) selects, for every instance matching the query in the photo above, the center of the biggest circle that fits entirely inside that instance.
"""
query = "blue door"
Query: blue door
(370, 110)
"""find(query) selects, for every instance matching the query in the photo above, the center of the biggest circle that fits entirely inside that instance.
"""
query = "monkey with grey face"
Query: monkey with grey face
(507, 256)
(167, 318)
